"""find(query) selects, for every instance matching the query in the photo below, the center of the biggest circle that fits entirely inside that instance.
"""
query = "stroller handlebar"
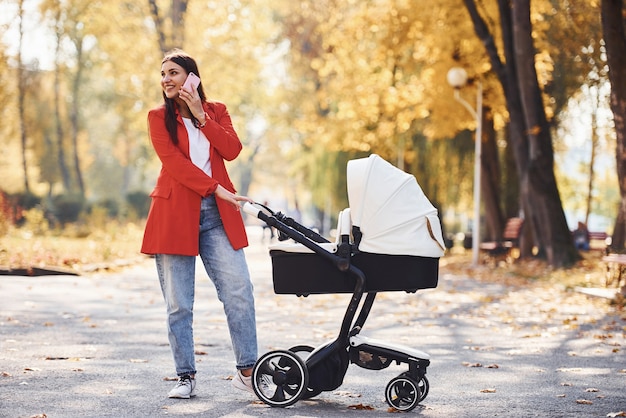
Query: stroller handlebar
(251, 209)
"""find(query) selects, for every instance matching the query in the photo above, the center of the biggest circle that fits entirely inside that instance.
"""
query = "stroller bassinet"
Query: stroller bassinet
(388, 240)
(394, 227)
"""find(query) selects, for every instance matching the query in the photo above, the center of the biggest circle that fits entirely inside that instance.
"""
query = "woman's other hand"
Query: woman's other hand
(230, 197)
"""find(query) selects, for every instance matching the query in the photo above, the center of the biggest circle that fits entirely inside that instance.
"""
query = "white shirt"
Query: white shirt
(198, 147)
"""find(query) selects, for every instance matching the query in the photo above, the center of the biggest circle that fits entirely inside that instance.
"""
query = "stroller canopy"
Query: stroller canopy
(391, 210)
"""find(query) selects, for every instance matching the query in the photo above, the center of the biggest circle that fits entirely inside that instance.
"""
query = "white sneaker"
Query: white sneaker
(184, 389)
(242, 382)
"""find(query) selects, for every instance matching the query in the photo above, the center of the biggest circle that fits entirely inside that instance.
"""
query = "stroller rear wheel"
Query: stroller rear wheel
(403, 393)
(279, 378)
(303, 351)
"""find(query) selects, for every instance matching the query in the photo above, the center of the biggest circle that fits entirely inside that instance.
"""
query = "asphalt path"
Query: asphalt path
(95, 345)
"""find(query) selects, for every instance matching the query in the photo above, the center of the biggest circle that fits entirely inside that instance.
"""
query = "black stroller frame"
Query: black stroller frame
(282, 377)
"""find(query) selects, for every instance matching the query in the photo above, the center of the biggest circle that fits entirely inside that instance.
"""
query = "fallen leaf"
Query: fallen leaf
(138, 360)
(592, 390)
(32, 369)
(566, 384)
(39, 416)
(493, 366)
(347, 394)
(201, 353)
(170, 379)
(6, 374)
(584, 402)
(467, 364)
(490, 390)
(616, 414)
(361, 407)
(562, 395)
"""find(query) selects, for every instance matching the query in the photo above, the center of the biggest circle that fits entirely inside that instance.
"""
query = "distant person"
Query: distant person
(581, 237)
(195, 210)
(266, 226)
(296, 215)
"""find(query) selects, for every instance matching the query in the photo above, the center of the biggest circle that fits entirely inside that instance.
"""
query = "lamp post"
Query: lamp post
(457, 78)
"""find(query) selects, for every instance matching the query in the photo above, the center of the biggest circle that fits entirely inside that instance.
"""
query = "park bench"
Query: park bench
(598, 240)
(510, 239)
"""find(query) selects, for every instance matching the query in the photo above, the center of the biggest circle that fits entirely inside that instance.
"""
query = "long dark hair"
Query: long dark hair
(183, 59)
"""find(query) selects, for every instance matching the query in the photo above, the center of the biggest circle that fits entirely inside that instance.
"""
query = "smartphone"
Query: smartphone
(191, 82)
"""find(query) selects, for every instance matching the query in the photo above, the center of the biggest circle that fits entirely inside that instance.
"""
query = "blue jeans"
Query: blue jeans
(228, 270)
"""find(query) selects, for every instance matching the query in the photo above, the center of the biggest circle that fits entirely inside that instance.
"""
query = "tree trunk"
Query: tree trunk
(176, 37)
(508, 79)
(615, 40)
(21, 92)
(179, 7)
(545, 224)
(74, 114)
(548, 219)
(490, 181)
(65, 174)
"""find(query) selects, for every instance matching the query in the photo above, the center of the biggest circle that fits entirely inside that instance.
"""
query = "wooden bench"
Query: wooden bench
(598, 240)
(510, 238)
(615, 268)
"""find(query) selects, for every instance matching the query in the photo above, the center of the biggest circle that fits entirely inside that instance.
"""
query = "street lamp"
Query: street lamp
(457, 78)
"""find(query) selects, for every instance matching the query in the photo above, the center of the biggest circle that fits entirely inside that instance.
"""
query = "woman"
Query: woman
(195, 210)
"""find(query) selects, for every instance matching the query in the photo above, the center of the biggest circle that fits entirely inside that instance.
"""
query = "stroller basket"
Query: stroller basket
(383, 272)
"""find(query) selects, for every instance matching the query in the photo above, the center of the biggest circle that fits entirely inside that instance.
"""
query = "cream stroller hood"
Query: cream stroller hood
(391, 210)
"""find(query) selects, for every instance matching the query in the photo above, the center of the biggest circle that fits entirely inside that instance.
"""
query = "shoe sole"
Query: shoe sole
(181, 396)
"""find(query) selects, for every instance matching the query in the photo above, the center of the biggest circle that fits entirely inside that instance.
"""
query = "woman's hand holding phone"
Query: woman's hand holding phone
(189, 94)
(192, 82)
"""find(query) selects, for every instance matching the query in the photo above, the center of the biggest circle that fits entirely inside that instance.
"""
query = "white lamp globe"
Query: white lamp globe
(457, 77)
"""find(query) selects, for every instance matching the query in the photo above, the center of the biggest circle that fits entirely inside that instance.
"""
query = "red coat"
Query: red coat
(173, 222)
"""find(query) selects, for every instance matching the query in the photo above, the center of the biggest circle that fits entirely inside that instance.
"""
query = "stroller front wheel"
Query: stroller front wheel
(403, 393)
(424, 388)
(279, 378)
(423, 384)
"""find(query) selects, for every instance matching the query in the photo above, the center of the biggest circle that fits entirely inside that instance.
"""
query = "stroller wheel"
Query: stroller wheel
(423, 384)
(303, 352)
(279, 378)
(403, 393)
(424, 388)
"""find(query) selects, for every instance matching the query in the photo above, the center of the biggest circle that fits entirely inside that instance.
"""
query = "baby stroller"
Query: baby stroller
(389, 239)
